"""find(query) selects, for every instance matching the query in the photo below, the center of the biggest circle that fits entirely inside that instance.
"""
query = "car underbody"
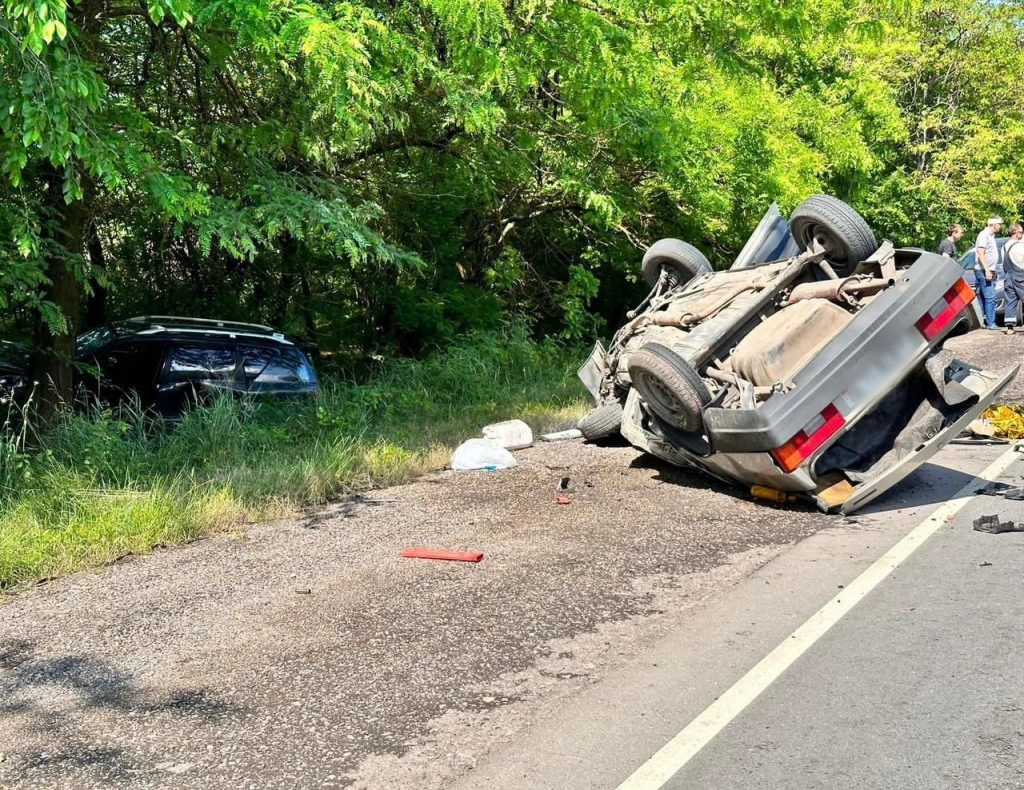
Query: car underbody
(820, 374)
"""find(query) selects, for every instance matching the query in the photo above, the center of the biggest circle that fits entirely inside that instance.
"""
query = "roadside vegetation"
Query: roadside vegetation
(384, 179)
(104, 485)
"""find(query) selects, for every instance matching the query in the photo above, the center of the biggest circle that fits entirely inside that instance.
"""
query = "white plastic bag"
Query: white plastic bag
(511, 434)
(481, 454)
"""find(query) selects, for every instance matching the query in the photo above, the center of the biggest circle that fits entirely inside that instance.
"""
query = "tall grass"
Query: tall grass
(109, 484)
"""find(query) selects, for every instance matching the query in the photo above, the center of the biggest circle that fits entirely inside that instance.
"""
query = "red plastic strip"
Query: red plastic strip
(441, 554)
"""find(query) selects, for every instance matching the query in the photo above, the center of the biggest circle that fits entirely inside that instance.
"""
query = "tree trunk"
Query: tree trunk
(96, 304)
(55, 351)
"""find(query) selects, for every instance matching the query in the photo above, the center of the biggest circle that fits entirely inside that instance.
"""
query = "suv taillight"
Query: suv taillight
(946, 309)
(814, 435)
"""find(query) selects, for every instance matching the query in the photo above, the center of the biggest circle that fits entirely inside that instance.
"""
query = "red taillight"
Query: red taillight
(946, 309)
(814, 435)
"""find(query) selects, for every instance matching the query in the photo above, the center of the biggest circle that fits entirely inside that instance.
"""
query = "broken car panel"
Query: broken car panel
(820, 373)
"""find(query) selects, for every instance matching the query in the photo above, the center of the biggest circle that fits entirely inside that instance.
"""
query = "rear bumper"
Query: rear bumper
(853, 371)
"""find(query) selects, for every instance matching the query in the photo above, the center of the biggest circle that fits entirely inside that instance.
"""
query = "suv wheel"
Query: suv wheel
(670, 386)
(840, 231)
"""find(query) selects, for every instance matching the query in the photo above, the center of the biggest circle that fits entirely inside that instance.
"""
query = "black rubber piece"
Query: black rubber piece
(840, 230)
(670, 387)
(602, 422)
(683, 261)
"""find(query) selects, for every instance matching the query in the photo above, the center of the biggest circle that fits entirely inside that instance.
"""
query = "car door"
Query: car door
(770, 241)
(128, 370)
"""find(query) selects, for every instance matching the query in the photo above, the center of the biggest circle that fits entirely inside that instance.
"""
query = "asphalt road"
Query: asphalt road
(307, 654)
(917, 687)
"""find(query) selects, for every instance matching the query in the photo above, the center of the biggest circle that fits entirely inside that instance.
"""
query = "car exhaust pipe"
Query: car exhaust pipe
(842, 291)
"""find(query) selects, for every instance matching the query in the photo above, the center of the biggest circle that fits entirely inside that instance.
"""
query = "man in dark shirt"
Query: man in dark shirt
(947, 246)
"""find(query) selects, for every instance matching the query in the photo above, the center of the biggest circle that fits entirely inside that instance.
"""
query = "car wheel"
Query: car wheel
(602, 422)
(682, 261)
(842, 232)
(671, 388)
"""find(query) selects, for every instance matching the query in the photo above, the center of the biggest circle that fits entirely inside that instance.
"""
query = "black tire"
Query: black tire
(683, 261)
(840, 230)
(671, 388)
(602, 422)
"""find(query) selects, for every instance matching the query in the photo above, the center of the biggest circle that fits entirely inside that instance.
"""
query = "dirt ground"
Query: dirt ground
(994, 351)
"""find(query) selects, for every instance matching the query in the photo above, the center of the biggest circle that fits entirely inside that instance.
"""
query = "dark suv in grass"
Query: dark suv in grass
(15, 382)
(170, 363)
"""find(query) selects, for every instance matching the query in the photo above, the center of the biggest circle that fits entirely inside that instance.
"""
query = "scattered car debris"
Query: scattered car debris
(1004, 490)
(1006, 420)
(966, 438)
(511, 434)
(985, 565)
(771, 494)
(981, 428)
(420, 553)
(481, 454)
(563, 500)
(303, 590)
(813, 366)
(562, 436)
(564, 486)
(993, 525)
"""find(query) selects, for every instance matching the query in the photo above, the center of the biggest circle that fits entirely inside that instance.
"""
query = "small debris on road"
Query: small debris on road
(985, 565)
(766, 494)
(481, 454)
(562, 436)
(441, 554)
(564, 486)
(303, 590)
(993, 525)
(981, 428)
(511, 434)
(563, 500)
(1004, 490)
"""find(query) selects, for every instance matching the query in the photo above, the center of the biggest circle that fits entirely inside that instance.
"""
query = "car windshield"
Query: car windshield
(91, 341)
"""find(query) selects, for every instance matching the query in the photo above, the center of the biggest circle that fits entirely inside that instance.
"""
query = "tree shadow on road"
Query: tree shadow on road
(54, 700)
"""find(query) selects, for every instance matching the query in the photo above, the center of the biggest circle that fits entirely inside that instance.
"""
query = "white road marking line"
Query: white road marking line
(675, 754)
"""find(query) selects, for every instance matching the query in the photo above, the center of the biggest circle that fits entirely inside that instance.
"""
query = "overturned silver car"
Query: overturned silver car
(814, 365)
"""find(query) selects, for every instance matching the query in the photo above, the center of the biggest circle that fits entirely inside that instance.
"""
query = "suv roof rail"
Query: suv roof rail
(199, 323)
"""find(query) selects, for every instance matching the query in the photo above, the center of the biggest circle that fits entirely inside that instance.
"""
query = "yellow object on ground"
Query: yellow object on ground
(1008, 421)
(771, 494)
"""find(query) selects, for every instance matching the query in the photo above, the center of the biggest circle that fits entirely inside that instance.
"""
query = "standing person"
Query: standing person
(1013, 276)
(947, 246)
(986, 269)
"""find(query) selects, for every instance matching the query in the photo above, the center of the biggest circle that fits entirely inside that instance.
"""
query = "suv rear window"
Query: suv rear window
(276, 367)
(201, 362)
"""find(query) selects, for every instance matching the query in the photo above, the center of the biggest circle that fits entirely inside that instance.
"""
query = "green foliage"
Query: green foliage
(387, 175)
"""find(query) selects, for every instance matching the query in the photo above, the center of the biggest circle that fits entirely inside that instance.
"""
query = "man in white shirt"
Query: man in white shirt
(1013, 276)
(986, 269)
